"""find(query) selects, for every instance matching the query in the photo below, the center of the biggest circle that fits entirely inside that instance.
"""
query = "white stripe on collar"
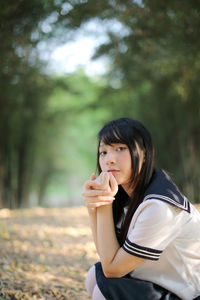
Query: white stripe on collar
(185, 206)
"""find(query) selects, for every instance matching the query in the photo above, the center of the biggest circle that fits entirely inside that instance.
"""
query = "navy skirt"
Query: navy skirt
(128, 288)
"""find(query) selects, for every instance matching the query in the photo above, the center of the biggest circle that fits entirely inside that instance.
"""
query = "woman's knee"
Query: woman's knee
(91, 280)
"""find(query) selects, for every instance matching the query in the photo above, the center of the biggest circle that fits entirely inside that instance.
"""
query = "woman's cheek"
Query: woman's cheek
(101, 165)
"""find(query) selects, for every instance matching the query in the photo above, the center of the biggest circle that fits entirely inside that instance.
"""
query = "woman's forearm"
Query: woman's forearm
(98, 196)
(106, 237)
(92, 212)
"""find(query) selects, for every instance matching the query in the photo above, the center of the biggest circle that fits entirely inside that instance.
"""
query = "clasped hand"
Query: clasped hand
(100, 191)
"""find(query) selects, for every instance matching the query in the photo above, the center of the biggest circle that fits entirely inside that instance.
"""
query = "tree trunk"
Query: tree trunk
(43, 186)
(1, 186)
(22, 176)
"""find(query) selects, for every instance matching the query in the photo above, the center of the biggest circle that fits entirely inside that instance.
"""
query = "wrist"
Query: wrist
(92, 210)
(104, 208)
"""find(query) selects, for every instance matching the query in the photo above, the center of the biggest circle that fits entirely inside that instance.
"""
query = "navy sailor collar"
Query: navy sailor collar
(162, 188)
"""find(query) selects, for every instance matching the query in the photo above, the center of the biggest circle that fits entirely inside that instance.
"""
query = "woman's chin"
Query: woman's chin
(119, 182)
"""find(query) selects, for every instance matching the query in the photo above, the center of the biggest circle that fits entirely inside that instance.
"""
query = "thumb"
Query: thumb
(105, 180)
(113, 184)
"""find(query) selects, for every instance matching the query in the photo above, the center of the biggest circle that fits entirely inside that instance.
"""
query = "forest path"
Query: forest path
(45, 253)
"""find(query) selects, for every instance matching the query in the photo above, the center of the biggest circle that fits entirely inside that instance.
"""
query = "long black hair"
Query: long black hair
(132, 133)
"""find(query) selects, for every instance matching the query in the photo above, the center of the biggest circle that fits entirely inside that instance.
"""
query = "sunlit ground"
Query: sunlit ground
(45, 253)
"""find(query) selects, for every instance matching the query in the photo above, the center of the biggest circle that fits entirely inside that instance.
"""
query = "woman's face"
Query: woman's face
(116, 158)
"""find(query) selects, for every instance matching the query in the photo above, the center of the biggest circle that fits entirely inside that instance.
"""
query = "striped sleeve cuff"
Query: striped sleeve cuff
(140, 251)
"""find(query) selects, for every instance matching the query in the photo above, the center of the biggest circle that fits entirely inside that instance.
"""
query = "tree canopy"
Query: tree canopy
(154, 49)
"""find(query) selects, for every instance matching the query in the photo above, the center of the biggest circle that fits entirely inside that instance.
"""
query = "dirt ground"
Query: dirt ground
(45, 253)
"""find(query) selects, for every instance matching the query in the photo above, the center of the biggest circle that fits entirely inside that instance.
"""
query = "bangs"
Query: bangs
(112, 134)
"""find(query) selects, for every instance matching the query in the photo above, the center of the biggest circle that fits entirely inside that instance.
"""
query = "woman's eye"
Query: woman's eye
(102, 153)
(121, 148)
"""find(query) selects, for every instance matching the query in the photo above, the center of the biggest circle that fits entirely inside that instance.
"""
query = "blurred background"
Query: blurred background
(67, 67)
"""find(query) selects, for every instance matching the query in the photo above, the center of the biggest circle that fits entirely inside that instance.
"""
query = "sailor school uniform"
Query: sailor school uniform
(165, 230)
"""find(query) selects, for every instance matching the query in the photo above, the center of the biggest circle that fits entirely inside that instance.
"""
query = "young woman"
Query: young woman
(147, 234)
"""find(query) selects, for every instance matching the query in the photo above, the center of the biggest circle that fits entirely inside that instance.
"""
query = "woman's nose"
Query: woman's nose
(110, 159)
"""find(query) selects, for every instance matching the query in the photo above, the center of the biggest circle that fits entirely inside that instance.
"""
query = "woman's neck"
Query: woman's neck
(129, 190)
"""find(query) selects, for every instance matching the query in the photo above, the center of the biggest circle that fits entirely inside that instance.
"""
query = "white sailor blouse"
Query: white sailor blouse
(165, 230)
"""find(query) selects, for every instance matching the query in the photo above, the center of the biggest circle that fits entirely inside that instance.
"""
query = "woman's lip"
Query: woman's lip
(113, 170)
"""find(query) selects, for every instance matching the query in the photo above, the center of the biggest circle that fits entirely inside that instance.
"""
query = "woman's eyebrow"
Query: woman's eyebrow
(101, 144)
(110, 145)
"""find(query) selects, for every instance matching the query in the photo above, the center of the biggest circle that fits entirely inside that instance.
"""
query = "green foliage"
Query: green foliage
(67, 147)
(25, 89)
(154, 50)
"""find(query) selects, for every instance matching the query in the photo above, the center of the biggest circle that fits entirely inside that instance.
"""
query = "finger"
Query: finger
(92, 184)
(95, 193)
(98, 199)
(101, 182)
(96, 205)
(93, 176)
(105, 180)
(97, 202)
(113, 184)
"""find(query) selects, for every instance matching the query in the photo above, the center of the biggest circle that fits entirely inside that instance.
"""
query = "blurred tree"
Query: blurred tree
(20, 113)
(24, 89)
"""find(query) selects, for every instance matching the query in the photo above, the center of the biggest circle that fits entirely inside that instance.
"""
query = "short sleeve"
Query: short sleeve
(152, 229)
